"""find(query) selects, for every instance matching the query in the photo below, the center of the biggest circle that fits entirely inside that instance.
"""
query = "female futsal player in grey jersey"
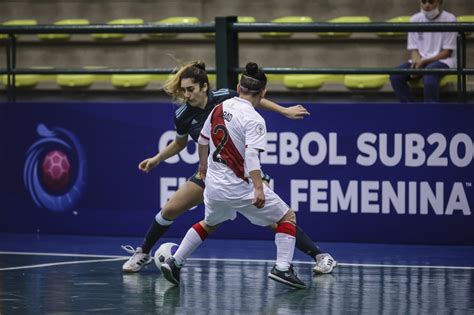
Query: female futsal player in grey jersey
(190, 87)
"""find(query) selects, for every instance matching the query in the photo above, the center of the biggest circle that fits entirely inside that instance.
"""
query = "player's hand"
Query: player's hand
(202, 171)
(259, 200)
(419, 64)
(296, 112)
(416, 65)
(147, 165)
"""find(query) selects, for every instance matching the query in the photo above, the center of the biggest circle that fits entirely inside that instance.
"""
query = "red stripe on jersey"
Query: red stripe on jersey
(224, 145)
(204, 137)
(200, 231)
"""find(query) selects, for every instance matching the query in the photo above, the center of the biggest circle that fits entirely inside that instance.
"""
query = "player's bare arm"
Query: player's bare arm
(203, 150)
(176, 146)
(292, 112)
(443, 54)
(259, 200)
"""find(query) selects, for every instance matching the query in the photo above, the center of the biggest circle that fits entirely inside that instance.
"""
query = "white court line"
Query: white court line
(60, 254)
(116, 257)
(339, 264)
(60, 264)
(407, 266)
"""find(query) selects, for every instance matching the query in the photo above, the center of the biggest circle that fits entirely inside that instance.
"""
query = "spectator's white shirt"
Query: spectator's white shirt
(245, 129)
(429, 44)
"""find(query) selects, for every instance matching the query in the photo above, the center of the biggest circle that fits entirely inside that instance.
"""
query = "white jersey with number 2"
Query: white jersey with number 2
(231, 127)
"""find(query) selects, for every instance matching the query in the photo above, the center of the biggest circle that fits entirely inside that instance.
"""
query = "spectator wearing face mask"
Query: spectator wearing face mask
(430, 50)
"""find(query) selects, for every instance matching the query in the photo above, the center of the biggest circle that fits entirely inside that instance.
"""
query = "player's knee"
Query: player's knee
(289, 217)
(272, 227)
(170, 212)
(208, 228)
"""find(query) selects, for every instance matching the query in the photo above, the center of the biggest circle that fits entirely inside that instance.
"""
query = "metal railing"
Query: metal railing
(227, 47)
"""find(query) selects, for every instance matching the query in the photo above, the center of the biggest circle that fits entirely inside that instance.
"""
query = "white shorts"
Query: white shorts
(218, 211)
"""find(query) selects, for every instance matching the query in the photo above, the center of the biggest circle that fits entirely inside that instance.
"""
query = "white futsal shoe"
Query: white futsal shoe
(324, 264)
(138, 260)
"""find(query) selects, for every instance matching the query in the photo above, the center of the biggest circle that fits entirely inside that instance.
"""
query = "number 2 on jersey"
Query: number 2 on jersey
(222, 142)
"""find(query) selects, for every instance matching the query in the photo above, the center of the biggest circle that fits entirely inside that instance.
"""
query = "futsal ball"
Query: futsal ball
(165, 251)
(56, 170)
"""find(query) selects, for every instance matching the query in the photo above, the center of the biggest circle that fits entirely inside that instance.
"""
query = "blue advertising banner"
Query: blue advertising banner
(388, 173)
(3, 155)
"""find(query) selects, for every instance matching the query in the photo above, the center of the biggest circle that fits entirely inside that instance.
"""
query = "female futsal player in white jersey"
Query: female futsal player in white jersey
(229, 145)
(190, 87)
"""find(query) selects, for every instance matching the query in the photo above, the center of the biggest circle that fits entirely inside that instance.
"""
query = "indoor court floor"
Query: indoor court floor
(57, 274)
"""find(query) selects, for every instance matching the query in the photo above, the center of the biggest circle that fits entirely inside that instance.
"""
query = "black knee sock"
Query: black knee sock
(153, 235)
(305, 244)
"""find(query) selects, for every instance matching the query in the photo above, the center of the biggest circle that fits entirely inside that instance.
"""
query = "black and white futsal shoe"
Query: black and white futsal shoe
(324, 264)
(288, 277)
(171, 271)
(138, 260)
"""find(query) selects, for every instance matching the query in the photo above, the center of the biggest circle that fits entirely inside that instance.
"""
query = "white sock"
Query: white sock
(190, 242)
(285, 244)
(162, 221)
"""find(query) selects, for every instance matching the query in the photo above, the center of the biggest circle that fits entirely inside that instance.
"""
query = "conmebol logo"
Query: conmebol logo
(55, 169)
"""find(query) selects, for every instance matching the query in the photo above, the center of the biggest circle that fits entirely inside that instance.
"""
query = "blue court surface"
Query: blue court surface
(58, 274)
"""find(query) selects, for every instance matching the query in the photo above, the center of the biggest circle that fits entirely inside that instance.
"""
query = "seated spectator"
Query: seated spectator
(430, 50)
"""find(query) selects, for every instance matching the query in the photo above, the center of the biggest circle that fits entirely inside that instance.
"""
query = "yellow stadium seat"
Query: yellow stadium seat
(174, 20)
(286, 19)
(117, 22)
(240, 19)
(17, 23)
(23, 80)
(246, 19)
(365, 81)
(309, 81)
(398, 19)
(275, 78)
(31, 80)
(160, 77)
(445, 81)
(75, 80)
(131, 80)
(467, 19)
(45, 77)
(212, 78)
(100, 77)
(344, 19)
(63, 36)
(448, 80)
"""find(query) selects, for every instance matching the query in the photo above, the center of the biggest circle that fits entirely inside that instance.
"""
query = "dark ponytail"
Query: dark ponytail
(253, 80)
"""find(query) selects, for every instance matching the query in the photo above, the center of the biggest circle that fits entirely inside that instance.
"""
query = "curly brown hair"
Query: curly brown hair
(195, 70)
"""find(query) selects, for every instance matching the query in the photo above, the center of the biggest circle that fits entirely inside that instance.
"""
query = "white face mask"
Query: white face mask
(430, 15)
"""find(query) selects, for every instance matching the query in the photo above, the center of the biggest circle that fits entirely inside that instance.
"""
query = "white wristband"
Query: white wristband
(252, 161)
(203, 140)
